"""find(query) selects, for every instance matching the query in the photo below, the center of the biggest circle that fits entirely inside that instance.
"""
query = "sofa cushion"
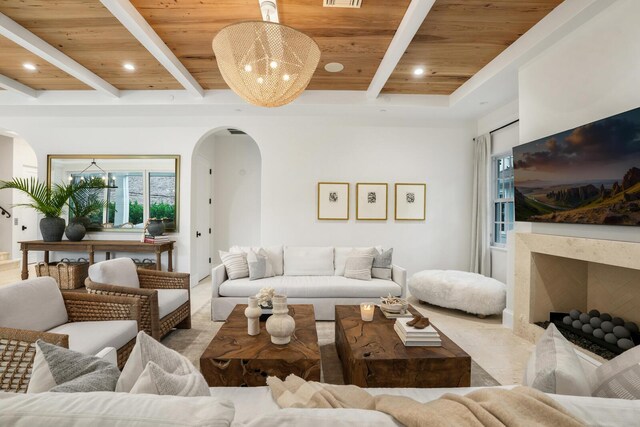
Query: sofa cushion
(108, 409)
(308, 261)
(155, 380)
(274, 253)
(170, 299)
(62, 370)
(343, 252)
(34, 304)
(235, 263)
(259, 264)
(120, 271)
(91, 337)
(312, 287)
(358, 265)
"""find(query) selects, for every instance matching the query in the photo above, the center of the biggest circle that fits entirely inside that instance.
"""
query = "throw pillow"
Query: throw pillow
(554, 367)
(59, 369)
(259, 264)
(155, 380)
(358, 265)
(382, 264)
(235, 264)
(169, 361)
(619, 378)
(274, 253)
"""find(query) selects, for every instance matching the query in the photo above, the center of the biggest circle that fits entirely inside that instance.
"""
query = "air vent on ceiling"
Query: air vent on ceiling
(236, 132)
(342, 3)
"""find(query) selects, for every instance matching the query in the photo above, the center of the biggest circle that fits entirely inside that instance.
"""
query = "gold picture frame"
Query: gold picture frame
(333, 201)
(408, 203)
(371, 191)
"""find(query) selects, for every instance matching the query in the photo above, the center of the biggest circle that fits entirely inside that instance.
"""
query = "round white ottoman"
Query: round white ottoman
(461, 290)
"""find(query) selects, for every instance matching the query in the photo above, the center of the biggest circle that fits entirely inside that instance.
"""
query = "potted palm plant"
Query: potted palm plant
(49, 201)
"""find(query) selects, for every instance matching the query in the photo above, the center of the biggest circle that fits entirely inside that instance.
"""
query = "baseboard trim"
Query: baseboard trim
(507, 318)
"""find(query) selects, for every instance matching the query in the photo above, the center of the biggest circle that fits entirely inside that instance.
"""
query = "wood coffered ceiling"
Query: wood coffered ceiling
(457, 39)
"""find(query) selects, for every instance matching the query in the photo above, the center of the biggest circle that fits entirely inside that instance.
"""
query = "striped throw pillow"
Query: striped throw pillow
(619, 378)
(235, 264)
(358, 265)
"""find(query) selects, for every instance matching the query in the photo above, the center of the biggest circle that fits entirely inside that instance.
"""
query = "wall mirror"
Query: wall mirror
(139, 187)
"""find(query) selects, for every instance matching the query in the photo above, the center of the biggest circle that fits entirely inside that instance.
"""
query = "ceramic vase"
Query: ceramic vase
(52, 229)
(75, 231)
(155, 227)
(253, 312)
(280, 325)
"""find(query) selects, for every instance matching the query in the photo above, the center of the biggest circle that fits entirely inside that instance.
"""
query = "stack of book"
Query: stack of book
(412, 337)
(156, 239)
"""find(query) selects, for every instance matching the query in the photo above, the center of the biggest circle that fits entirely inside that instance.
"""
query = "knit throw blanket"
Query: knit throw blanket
(521, 406)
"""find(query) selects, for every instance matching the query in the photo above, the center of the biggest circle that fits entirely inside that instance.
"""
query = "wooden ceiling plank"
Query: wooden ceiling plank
(409, 26)
(25, 38)
(15, 86)
(133, 21)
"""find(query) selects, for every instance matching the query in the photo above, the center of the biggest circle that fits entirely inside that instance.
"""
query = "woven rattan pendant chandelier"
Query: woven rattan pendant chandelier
(264, 62)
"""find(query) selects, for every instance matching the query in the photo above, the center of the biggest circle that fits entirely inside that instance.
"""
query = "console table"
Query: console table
(93, 246)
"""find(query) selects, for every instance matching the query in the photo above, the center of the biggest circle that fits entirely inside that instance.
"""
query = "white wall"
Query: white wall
(6, 196)
(237, 175)
(297, 152)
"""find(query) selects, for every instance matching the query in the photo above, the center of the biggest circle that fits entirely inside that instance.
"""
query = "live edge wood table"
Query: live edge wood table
(92, 246)
(236, 359)
(373, 355)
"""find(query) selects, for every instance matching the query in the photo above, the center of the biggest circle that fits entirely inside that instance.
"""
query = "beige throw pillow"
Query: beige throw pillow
(235, 264)
(358, 265)
(619, 378)
(554, 367)
(172, 371)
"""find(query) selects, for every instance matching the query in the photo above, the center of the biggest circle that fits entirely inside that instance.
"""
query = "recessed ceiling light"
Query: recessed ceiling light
(29, 66)
(129, 67)
(418, 71)
(334, 67)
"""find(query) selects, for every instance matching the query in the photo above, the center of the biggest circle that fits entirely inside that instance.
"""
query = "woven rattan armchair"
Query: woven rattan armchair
(151, 281)
(17, 346)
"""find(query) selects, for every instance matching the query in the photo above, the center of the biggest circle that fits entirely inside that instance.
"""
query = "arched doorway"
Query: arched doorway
(17, 160)
(226, 196)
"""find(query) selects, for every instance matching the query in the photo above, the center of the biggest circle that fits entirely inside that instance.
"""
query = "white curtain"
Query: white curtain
(481, 206)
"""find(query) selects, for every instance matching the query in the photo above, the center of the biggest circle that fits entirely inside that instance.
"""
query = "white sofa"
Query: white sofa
(306, 275)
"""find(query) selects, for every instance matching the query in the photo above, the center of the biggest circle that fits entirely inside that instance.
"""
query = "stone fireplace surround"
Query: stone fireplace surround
(558, 273)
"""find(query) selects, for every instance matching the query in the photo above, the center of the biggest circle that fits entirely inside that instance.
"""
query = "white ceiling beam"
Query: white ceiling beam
(15, 86)
(413, 18)
(129, 16)
(34, 44)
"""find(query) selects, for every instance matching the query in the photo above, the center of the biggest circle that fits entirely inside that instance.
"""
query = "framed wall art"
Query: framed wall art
(333, 200)
(411, 201)
(371, 201)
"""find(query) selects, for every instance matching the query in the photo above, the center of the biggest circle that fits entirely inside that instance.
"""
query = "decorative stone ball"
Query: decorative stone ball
(621, 332)
(611, 339)
(587, 328)
(625, 343)
(594, 313)
(607, 326)
(577, 324)
(605, 317)
(575, 314)
(584, 318)
(617, 321)
(598, 333)
(567, 320)
(595, 322)
(632, 327)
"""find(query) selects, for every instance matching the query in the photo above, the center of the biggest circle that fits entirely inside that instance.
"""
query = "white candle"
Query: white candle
(366, 311)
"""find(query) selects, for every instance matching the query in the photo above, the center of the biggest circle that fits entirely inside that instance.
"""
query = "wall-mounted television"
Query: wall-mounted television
(586, 175)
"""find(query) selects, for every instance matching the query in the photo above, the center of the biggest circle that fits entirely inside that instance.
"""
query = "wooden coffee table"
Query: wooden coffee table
(236, 359)
(373, 355)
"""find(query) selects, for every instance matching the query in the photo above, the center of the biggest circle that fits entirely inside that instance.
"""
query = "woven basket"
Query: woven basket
(147, 264)
(69, 275)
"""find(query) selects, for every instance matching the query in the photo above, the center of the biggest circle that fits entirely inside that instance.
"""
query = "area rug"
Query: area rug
(192, 343)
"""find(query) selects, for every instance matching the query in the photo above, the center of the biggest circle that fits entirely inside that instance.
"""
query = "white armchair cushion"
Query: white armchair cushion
(34, 304)
(120, 272)
(308, 261)
(91, 337)
(171, 299)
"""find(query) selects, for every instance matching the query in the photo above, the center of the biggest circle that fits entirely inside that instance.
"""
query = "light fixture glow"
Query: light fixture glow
(129, 67)
(286, 77)
(418, 71)
(29, 66)
(248, 68)
(260, 80)
(273, 64)
(334, 67)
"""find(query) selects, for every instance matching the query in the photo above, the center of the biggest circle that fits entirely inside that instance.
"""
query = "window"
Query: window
(503, 209)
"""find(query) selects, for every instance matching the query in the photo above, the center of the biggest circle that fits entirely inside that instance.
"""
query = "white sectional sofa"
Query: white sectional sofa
(306, 275)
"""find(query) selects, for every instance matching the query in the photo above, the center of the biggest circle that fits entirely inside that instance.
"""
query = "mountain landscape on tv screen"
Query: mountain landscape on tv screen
(587, 175)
